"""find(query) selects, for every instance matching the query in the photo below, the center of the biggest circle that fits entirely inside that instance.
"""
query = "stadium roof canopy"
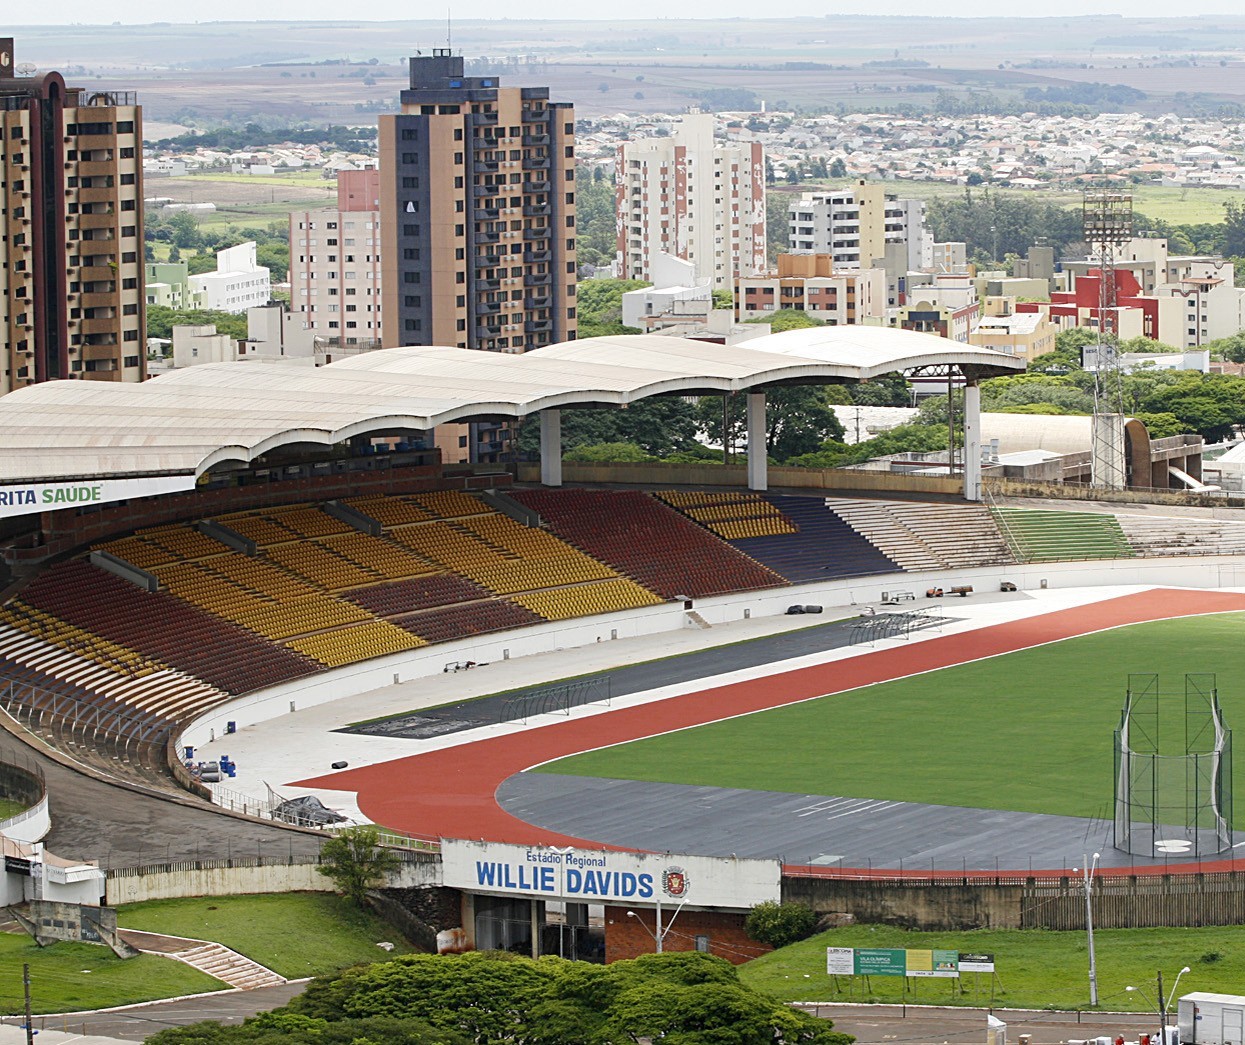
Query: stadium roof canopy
(188, 421)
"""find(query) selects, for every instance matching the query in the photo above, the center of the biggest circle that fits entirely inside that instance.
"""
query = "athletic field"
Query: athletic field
(1029, 731)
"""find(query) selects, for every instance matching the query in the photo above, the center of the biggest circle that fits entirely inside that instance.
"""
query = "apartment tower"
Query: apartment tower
(335, 263)
(855, 226)
(694, 197)
(71, 231)
(477, 213)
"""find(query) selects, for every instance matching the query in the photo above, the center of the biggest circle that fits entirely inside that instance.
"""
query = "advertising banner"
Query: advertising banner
(840, 961)
(976, 962)
(591, 875)
(881, 961)
(943, 964)
(32, 498)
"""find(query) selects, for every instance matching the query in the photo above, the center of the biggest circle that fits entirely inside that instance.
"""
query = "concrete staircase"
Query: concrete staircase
(212, 958)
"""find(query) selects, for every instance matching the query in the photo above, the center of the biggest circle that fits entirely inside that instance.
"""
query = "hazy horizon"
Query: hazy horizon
(145, 12)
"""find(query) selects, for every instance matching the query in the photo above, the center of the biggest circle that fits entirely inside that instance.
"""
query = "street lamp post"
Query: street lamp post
(659, 937)
(1087, 877)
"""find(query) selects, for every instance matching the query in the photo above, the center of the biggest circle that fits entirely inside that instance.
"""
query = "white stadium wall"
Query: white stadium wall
(354, 679)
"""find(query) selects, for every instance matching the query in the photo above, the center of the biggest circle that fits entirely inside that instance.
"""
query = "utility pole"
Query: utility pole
(30, 1028)
(1162, 1012)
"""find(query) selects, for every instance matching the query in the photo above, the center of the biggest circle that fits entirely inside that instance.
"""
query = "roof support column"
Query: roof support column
(758, 463)
(551, 447)
(972, 441)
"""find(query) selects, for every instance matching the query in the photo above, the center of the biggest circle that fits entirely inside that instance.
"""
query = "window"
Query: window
(125, 126)
(127, 179)
(130, 335)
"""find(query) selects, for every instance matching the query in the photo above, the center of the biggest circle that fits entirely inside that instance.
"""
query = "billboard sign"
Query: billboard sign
(32, 498)
(596, 875)
(894, 961)
(881, 961)
(976, 962)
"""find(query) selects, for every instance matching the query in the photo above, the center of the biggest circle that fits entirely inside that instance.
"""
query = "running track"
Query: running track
(450, 793)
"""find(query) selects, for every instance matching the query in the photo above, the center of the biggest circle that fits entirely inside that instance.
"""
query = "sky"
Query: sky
(137, 11)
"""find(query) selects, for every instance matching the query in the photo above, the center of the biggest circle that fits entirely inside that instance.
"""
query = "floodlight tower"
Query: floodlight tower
(1107, 221)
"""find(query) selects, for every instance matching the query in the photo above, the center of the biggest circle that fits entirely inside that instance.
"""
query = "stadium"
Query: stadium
(253, 589)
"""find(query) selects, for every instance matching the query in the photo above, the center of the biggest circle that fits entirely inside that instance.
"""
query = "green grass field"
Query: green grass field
(1035, 969)
(1029, 731)
(294, 934)
(67, 977)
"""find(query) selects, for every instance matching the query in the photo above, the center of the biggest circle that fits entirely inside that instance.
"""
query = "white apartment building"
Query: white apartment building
(335, 263)
(854, 226)
(238, 283)
(694, 197)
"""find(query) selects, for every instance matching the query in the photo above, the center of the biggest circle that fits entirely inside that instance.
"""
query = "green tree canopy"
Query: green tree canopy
(355, 862)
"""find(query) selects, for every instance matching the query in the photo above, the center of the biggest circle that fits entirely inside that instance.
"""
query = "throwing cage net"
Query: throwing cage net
(1173, 770)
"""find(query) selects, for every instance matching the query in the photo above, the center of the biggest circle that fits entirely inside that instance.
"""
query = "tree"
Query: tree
(797, 421)
(161, 320)
(608, 452)
(779, 924)
(355, 862)
(788, 319)
(658, 425)
(838, 169)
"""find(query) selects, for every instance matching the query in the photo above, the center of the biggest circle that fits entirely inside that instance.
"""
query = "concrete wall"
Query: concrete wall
(780, 477)
(919, 906)
(245, 876)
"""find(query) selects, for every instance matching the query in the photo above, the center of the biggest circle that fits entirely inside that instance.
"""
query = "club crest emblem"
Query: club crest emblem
(674, 882)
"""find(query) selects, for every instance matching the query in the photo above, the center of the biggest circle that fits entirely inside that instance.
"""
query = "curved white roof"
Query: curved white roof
(188, 420)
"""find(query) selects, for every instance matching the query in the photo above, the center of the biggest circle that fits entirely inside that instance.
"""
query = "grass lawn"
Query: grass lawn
(70, 976)
(294, 934)
(8, 808)
(1035, 969)
(1042, 718)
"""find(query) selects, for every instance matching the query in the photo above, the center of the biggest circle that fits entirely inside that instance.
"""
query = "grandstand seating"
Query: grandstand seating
(734, 516)
(377, 554)
(582, 600)
(647, 541)
(447, 623)
(421, 593)
(389, 511)
(163, 627)
(922, 536)
(322, 566)
(822, 548)
(1039, 535)
(347, 645)
(1170, 535)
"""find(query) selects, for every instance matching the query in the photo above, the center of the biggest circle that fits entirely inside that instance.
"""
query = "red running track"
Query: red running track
(450, 793)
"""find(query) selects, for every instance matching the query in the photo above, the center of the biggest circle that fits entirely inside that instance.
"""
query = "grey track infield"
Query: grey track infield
(635, 678)
(805, 829)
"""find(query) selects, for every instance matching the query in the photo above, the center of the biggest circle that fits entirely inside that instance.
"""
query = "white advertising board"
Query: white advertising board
(592, 875)
(31, 498)
(840, 961)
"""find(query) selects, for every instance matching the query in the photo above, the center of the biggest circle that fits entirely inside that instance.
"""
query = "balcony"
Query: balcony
(484, 119)
(487, 260)
(97, 169)
(482, 191)
(96, 221)
(536, 234)
(93, 195)
(486, 213)
(100, 326)
(98, 273)
(535, 186)
(487, 237)
(488, 284)
(98, 300)
(485, 166)
(538, 326)
(535, 115)
(488, 308)
(544, 301)
(538, 279)
(536, 257)
(95, 353)
(536, 210)
(535, 163)
(535, 139)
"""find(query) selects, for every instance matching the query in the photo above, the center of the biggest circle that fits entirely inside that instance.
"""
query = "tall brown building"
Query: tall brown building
(71, 231)
(477, 213)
